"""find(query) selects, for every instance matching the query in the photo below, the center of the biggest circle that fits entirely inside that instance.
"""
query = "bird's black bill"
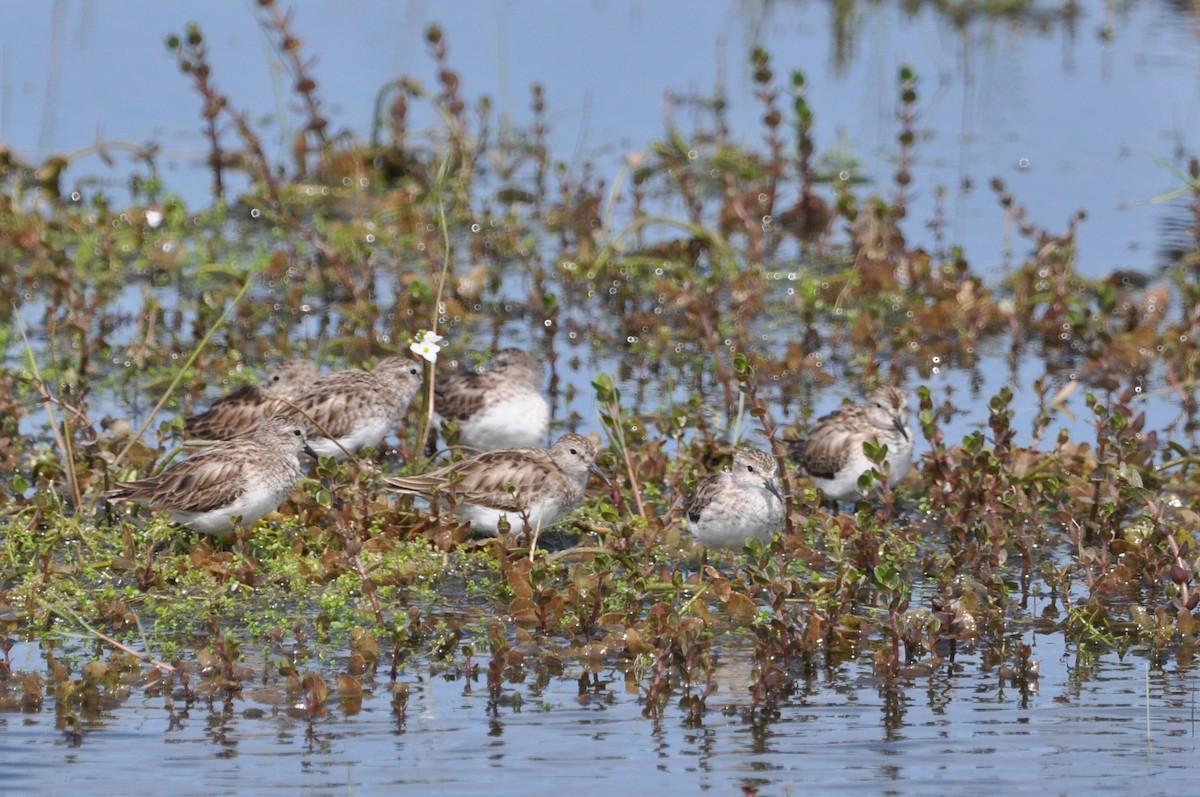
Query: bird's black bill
(600, 475)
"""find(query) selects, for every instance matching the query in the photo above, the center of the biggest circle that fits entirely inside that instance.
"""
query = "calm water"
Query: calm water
(1114, 727)
(1089, 115)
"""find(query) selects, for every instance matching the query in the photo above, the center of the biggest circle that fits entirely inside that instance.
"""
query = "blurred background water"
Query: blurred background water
(1093, 109)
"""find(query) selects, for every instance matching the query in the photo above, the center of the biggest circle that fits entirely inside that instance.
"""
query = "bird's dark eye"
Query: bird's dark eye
(573, 451)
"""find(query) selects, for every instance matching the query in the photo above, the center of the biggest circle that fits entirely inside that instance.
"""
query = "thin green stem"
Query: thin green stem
(62, 436)
(431, 367)
(616, 433)
(699, 593)
(735, 435)
(179, 374)
(67, 614)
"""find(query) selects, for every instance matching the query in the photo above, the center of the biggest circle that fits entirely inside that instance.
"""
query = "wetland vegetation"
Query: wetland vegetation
(712, 292)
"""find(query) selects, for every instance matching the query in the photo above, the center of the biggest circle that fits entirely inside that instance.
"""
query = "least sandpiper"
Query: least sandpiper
(251, 404)
(730, 507)
(833, 454)
(502, 407)
(347, 411)
(242, 478)
(532, 487)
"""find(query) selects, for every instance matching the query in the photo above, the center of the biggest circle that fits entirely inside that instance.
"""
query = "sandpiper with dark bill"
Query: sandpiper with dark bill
(833, 455)
(241, 479)
(733, 506)
(531, 487)
(347, 411)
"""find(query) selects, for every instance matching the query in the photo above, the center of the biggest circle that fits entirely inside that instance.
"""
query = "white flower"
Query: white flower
(425, 345)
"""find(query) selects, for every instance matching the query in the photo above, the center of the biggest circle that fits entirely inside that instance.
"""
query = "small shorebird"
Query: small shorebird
(532, 487)
(347, 411)
(833, 455)
(730, 507)
(502, 407)
(242, 478)
(251, 404)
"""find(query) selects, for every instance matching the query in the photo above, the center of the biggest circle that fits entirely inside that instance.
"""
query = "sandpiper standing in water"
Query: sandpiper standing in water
(531, 487)
(242, 479)
(733, 506)
(833, 457)
(347, 411)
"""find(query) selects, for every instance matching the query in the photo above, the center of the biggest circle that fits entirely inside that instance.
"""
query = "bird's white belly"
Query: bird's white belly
(486, 519)
(366, 435)
(517, 422)
(758, 516)
(844, 485)
(250, 507)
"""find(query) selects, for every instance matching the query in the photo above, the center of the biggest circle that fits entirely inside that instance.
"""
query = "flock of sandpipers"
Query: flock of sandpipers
(261, 431)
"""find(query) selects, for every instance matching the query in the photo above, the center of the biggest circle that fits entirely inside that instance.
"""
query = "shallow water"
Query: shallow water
(1068, 115)
(1114, 726)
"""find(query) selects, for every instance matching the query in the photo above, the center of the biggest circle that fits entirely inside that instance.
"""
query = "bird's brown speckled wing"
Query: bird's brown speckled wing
(335, 402)
(502, 480)
(233, 414)
(461, 395)
(827, 448)
(702, 496)
(209, 480)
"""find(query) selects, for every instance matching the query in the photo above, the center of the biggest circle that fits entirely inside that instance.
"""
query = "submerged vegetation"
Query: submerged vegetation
(704, 296)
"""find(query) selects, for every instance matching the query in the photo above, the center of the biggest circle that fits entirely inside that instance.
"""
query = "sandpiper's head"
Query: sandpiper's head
(515, 361)
(887, 408)
(401, 375)
(575, 454)
(755, 468)
(285, 431)
(290, 378)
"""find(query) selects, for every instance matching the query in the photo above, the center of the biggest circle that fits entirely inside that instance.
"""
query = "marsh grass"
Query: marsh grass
(697, 323)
